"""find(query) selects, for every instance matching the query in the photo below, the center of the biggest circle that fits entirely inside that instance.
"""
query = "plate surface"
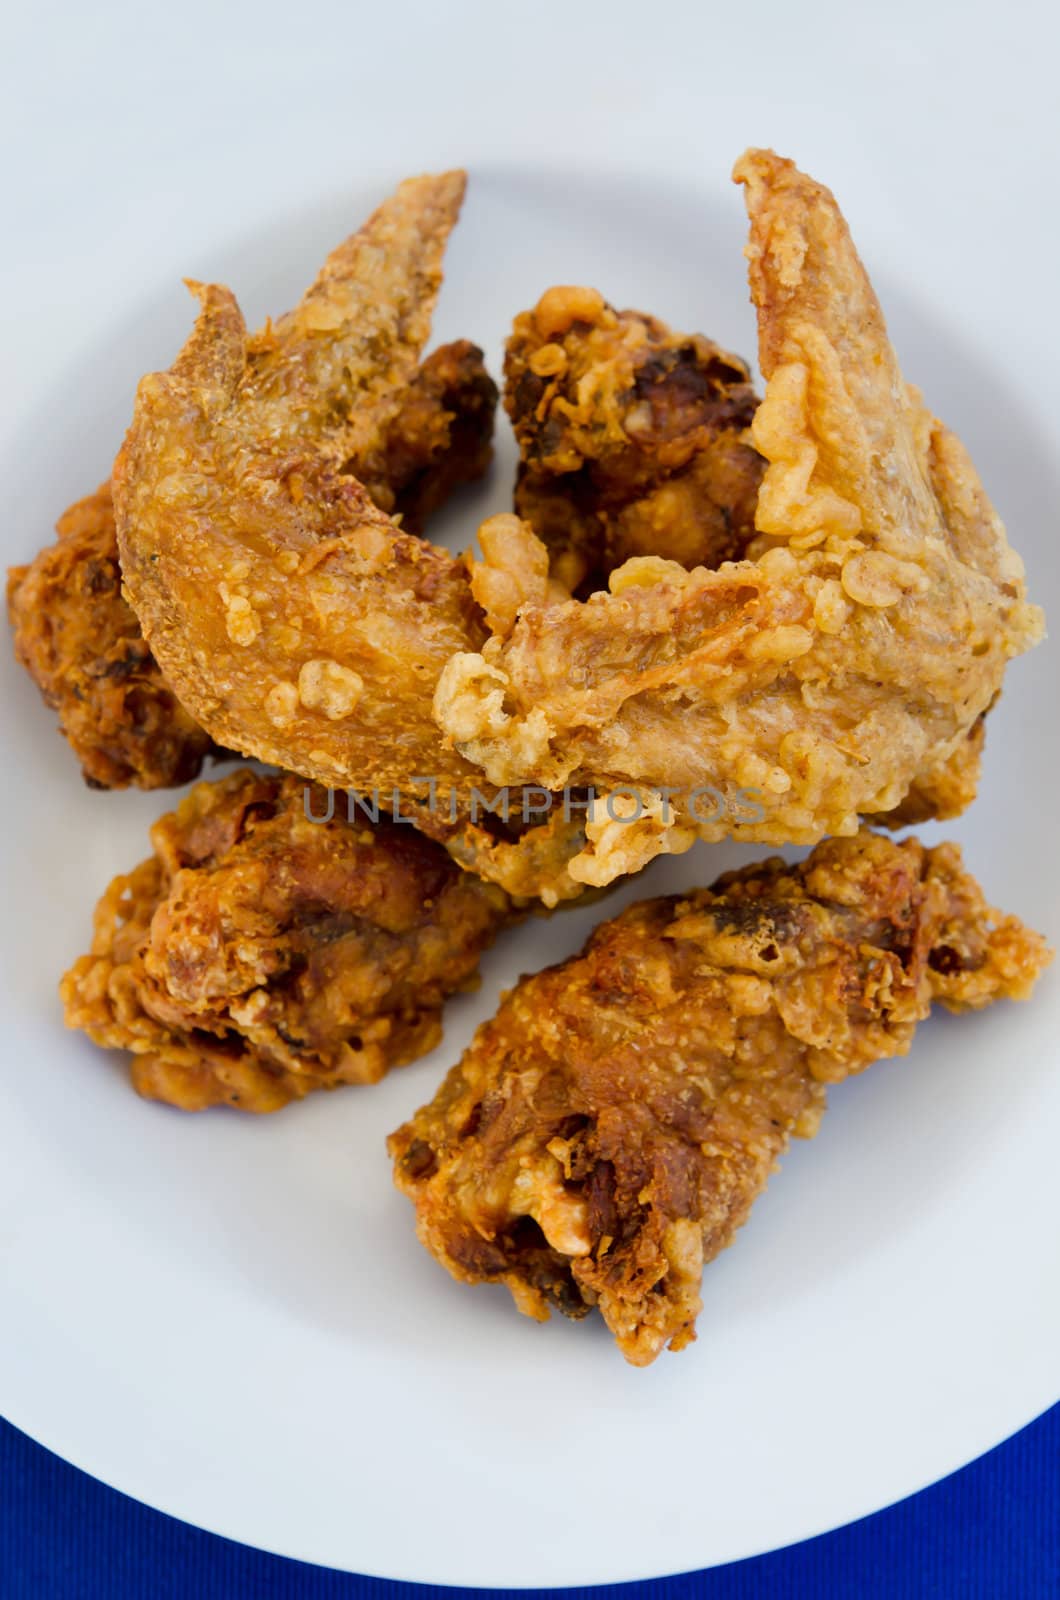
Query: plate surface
(230, 1318)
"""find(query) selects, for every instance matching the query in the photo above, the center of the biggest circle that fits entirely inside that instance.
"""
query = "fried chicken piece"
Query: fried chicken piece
(441, 438)
(633, 439)
(845, 659)
(81, 642)
(606, 1134)
(294, 620)
(260, 954)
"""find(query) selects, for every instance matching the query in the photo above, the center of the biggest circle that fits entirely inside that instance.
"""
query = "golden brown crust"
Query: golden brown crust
(259, 954)
(851, 653)
(82, 644)
(633, 440)
(441, 438)
(260, 569)
(944, 790)
(607, 1132)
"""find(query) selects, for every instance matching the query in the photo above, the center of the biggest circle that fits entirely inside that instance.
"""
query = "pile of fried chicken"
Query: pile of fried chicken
(804, 597)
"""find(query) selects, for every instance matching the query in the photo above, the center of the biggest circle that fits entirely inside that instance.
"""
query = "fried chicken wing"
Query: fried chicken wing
(633, 439)
(606, 1134)
(294, 619)
(260, 954)
(846, 659)
(636, 441)
(82, 644)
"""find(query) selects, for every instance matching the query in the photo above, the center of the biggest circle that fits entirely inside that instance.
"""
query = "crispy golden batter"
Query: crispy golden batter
(633, 440)
(636, 441)
(441, 438)
(258, 954)
(607, 1133)
(295, 621)
(82, 644)
(945, 790)
(851, 653)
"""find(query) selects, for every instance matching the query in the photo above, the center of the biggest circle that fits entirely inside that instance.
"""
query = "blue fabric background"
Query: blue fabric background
(990, 1531)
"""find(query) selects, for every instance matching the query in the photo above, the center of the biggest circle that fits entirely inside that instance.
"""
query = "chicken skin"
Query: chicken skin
(606, 1134)
(440, 439)
(259, 953)
(636, 441)
(845, 659)
(82, 644)
(633, 440)
(296, 621)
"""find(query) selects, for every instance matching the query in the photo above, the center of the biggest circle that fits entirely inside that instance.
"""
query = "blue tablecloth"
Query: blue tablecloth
(990, 1531)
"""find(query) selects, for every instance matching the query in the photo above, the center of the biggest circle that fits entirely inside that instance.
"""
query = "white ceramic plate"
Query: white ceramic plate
(230, 1318)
